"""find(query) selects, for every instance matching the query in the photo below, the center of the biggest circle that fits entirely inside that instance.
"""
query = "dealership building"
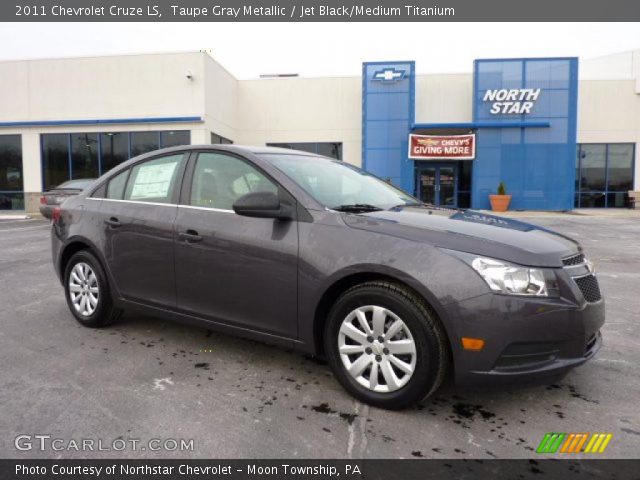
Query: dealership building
(561, 133)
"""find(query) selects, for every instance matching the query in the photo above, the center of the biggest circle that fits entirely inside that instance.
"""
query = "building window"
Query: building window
(220, 140)
(143, 142)
(328, 149)
(84, 155)
(11, 183)
(173, 138)
(56, 166)
(114, 149)
(67, 156)
(604, 175)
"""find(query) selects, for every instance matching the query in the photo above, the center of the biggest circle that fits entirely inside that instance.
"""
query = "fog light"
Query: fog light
(474, 344)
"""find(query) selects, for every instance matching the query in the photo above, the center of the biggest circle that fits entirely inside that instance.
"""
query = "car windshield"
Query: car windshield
(338, 185)
(76, 184)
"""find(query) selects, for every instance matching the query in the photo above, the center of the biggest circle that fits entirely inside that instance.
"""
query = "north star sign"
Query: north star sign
(515, 101)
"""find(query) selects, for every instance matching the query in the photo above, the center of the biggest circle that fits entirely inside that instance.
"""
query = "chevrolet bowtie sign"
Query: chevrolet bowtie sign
(388, 75)
(449, 147)
(515, 101)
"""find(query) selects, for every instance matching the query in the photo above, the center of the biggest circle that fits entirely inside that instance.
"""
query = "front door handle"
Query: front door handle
(113, 222)
(190, 236)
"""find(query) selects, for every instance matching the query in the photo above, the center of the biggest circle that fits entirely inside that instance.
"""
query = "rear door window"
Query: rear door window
(154, 180)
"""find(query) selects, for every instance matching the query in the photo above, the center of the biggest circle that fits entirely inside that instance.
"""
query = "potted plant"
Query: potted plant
(500, 202)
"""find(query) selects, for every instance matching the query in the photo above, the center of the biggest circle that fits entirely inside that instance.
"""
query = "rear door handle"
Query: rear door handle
(190, 236)
(113, 222)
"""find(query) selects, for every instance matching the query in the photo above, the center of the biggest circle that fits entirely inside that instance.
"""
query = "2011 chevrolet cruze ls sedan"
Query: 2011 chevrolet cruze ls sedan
(312, 253)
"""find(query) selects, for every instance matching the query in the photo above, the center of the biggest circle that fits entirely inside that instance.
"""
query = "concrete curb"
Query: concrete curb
(583, 212)
(14, 217)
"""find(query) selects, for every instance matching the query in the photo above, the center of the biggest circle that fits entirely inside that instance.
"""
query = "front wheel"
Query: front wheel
(385, 346)
(87, 291)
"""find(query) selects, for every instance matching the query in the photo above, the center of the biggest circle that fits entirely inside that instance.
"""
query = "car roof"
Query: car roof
(239, 149)
(256, 150)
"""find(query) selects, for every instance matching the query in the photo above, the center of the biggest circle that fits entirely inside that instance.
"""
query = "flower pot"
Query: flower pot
(500, 203)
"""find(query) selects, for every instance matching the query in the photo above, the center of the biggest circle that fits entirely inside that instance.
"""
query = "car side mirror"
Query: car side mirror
(262, 205)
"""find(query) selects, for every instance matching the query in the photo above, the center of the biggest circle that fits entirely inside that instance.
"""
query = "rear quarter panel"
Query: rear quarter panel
(80, 221)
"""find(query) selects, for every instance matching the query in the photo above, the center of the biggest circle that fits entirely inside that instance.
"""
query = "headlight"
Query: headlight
(506, 278)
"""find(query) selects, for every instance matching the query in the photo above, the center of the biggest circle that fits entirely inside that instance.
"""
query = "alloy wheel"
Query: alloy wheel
(84, 290)
(377, 349)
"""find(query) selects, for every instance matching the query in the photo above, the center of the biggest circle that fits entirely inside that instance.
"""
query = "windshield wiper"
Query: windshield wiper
(357, 207)
(412, 204)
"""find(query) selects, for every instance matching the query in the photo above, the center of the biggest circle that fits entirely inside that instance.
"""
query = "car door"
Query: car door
(230, 268)
(138, 213)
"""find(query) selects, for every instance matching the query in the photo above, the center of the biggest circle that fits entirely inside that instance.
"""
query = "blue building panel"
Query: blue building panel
(537, 164)
(524, 116)
(388, 102)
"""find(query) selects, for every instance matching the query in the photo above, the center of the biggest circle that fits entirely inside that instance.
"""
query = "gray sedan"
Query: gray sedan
(314, 254)
(54, 197)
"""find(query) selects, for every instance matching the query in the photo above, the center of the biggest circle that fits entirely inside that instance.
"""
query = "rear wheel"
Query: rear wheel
(87, 291)
(385, 346)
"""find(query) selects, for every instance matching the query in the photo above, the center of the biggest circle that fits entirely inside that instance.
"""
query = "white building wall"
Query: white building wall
(609, 112)
(617, 66)
(303, 110)
(102, 87)
(96, 88)
(221, 102)
(444, 98)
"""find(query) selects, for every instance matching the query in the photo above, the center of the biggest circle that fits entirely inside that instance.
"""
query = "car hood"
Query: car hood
(471, 231)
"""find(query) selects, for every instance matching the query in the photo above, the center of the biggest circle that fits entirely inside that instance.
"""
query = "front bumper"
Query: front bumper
(527, 340)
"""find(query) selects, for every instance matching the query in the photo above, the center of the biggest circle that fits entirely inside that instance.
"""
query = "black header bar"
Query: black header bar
(316, 469)
(318, 11)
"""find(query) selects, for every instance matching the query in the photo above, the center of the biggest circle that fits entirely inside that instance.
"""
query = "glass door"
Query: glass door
(427, 184)
(447, 186)
(437, 184)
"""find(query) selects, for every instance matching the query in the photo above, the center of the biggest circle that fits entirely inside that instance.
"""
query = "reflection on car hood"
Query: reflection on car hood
(471, 231)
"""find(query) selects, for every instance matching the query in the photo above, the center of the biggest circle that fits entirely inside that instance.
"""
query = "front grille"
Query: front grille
(589, 287)
(573, 260)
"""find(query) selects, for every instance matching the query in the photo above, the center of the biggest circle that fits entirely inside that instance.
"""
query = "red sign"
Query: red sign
(451, 147)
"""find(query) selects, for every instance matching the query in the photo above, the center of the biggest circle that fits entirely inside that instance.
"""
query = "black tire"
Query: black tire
(431, 344)
(105, 312)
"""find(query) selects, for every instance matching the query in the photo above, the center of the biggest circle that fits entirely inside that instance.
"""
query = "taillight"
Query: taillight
(43, 200)
(55, 214)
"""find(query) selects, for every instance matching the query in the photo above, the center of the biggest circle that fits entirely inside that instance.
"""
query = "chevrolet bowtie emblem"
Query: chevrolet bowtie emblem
(388, 75)
(427, 141)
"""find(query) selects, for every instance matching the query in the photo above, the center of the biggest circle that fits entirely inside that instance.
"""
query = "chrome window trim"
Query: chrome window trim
(138, 202)
(210, 209)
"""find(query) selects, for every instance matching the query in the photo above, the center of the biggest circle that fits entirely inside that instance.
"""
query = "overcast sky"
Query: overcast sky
(319, 49)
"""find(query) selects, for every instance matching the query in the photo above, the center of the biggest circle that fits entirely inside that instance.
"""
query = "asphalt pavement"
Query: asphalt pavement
(224, 397)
